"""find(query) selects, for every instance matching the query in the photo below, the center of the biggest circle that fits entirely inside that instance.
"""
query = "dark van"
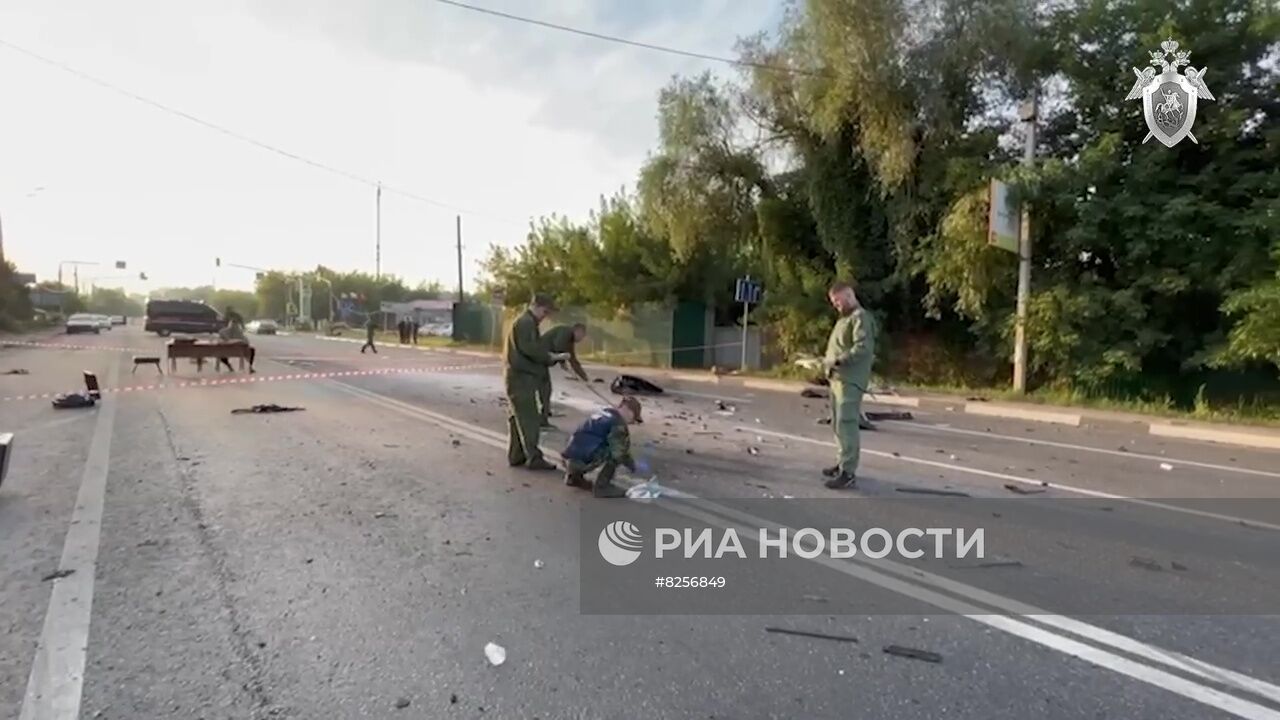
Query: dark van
(181, 316)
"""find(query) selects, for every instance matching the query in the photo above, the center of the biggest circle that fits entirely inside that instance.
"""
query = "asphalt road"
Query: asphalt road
(354, 559)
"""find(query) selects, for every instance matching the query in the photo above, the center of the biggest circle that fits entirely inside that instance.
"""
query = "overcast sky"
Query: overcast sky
(500, 121)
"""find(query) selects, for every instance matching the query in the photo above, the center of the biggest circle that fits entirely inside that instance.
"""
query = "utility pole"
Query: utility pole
(459, 258)
(377, 258)
(1027, 113)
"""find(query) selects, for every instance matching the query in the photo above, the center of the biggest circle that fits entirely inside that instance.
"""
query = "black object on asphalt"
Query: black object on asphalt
(913, 653)
(56, 575)
(1019, 490)
(889, 415)
(632, 385)
(931, 491)
(806, 633)
(63, 401)
(268, 408)
(810, 392)
(17, 371)
(91, 385)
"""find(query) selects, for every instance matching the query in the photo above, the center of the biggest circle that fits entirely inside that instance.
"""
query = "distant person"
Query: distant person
(561, 339)
(851, 348)
(233, 332)
(525, 363)
(602, 441)
(413, 330)
(370, 329)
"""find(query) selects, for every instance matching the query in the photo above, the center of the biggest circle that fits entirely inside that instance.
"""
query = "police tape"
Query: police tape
(73, 346)
(258, 379)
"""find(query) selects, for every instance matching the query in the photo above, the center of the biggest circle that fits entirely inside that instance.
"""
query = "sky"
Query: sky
(490, 119)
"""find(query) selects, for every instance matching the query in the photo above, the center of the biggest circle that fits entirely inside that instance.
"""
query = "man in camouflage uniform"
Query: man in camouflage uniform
(526, 363)
(561, 339)
(850, 352)
(602, 441)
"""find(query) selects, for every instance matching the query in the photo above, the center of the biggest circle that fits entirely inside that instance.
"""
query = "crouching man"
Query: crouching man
(602, 441)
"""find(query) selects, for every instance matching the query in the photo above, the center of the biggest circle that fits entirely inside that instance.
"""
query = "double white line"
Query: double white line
(1232, 692)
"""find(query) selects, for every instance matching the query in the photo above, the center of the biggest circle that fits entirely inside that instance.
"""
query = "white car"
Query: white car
(104, 321)
(262, 327)
(83, 322)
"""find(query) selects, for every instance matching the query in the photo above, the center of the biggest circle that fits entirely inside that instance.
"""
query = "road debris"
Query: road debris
(988, 565)
(1019, 490)
(63, 401)
(913, 653)
(16, 371)
(56, 575)
(1173, 564)
(1166, 466)
(495, 653)
(402, 703)
(383, 514)
(811, 392)
(752, 449)
(453, 698)
(931, 491)
(455, 442)
(649, 490)
(1146, 564)
(267, 408)
(808, 634)
(824, 421)
(539, 564)
(889, 415)
(632, 385)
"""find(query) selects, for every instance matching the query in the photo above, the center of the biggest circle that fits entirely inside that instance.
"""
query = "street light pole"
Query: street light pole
(1027, 113)
(377, 259)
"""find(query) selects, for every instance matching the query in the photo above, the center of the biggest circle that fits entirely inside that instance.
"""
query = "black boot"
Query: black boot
(842, 481)
(607, 490)
(540, 464)
(832, 471)
(575, 479)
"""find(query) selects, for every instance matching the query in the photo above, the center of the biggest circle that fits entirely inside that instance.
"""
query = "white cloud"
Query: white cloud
(504, 119)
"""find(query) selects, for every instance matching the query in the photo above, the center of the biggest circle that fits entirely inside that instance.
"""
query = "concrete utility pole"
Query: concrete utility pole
(377, 258)
(1027, 113)
(459, 258)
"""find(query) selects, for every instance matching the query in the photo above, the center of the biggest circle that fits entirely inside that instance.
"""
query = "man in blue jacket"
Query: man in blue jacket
(602, 441)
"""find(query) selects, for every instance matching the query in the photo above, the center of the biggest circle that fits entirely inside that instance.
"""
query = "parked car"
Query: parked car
(181, 316)
(104, 321)
(83, 322)
(436, 329)
(262, 327)
(119, 320)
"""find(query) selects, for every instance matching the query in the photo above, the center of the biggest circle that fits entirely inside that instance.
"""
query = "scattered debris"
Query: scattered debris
(16, 371)
(953, 457)
(453, 698)
(889, 415)
(382, 514)
(810, 392)
(390, 445)
(56, 575)
(149, 543)
(1043, 483)
(1019, 490)
(539, 564)
(1123, 449)
(940, 451)
(977, 399)
(931, 491)
(688, 451)
(1146, 564)
(402, 703)
(753, 449)
(455, 442)
(598, 380)
(632, 385)
(495, 653)
(268, 408)
(649, 490)
(824, 421)
(1166, 466)
(913, 653)
(808, 634)
(64, 401)
(951, 408)
(1178, 566)
(987, 565)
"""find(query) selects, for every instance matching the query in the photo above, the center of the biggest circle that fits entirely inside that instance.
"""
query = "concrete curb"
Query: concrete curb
(1231, 436)
(1022, 413)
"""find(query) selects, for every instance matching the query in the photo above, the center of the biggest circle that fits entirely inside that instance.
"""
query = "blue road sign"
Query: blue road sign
(747, 291)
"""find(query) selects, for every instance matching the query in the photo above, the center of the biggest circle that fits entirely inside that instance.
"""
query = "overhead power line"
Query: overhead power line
(632, 43)
(242, 137)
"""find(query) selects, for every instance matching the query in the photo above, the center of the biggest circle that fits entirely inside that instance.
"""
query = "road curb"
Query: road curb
(1232, 436)
(1021, 413)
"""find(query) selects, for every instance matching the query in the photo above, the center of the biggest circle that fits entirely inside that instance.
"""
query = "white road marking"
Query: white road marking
(1018, 627)
(1086, 448)
(1030, 481)
(57, 674)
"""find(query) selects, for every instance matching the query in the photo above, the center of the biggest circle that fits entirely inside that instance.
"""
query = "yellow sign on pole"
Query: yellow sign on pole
(1004, 218)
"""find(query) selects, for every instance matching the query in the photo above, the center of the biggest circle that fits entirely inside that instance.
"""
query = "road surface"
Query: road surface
(354, 559)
